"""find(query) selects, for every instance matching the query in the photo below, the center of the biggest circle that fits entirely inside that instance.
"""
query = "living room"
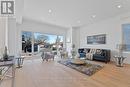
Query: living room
(88, 28)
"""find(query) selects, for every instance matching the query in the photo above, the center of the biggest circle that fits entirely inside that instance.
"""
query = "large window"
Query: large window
(26, 41)
(126, 36)
(34, 42)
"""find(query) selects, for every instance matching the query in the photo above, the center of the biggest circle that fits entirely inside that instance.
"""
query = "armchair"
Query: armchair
(47, 54)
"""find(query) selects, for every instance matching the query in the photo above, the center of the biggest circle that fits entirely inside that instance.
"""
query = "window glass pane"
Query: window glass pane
(126, 35)
(53, 42)
(51, 38)
(60, 42)
(61, 38)
(40, 41)
(26, 42)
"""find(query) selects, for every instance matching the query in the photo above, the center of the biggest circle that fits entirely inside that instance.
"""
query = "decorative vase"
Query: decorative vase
(5, 55)
(73, 52)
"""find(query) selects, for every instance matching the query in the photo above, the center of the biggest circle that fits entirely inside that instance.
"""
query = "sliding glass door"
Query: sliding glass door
(34, 42)
(53, 42)
(26, 42)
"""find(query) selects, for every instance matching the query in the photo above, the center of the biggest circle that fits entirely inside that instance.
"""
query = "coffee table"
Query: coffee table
(5, 68)
(78, 61)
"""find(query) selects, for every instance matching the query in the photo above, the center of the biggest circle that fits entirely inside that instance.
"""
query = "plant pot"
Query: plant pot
(0, 72)
(5, 57)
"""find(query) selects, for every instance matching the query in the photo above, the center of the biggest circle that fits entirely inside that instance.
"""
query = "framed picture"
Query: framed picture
(96, 39)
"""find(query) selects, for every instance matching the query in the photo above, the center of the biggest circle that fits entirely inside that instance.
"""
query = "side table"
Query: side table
(20, 61)
(6, 66)
(119, 60)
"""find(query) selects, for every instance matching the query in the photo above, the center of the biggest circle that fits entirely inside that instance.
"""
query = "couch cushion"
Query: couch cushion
(87, 50)
(98, 57)
(99, 51)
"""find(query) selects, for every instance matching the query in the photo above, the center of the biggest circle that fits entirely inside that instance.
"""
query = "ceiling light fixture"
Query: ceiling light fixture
(78, 21)
(119, 6)
(93, 16)
(50, 11)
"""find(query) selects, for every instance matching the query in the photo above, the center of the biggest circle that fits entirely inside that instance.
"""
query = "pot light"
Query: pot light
(50, 11)
(119, 6)
(78, 21)
(93, 16)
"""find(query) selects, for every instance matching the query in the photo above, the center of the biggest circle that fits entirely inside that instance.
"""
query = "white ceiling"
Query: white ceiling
(69, 13)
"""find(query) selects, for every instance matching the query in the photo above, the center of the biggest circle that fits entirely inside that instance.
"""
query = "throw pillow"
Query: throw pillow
(87, 51)
(98, 51)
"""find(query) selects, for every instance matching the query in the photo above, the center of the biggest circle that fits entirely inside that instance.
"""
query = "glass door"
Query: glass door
(35, 42)
(26, 42)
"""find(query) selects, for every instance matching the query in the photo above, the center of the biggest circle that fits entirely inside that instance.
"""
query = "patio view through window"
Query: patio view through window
(34, 42)
(26, 42)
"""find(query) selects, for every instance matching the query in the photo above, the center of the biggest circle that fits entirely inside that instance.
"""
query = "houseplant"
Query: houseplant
(5, 55)
(73, 51)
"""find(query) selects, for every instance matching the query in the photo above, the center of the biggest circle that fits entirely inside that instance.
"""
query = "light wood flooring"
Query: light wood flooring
(36, 73)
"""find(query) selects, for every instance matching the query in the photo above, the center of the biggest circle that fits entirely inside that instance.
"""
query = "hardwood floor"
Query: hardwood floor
(36, 73)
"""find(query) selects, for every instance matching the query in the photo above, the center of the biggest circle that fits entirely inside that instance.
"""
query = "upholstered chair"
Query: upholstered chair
(47, 54)
(90, 54)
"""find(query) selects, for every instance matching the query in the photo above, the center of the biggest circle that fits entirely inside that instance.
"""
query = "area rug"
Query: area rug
(87, 68)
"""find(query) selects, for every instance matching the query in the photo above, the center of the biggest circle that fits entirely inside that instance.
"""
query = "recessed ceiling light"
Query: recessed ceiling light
(119, 6)
(49, 10)
(78, 21)
(93, 16)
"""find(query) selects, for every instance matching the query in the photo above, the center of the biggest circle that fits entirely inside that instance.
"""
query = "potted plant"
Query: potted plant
(5, 55)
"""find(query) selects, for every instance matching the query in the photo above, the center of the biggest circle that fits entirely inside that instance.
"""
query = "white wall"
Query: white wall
(69, 41)
(7, 34)
(19, 10)
(3, 27)
(72, 37)
(75, 37)
(112, 28)
(12, 36)
(35, 26)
